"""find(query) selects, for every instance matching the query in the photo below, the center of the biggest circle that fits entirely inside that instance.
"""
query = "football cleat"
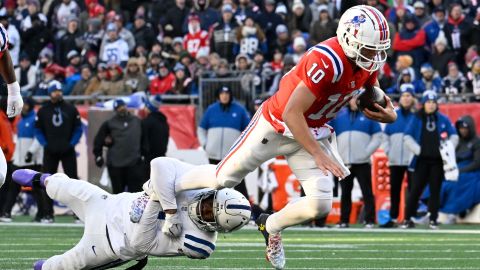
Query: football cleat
(433, 225)
(342, 225)
(407, 224)
(274, 252)
(27, 177)
(38, 265)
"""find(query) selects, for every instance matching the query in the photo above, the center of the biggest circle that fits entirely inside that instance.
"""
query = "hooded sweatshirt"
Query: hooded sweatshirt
(468, 148)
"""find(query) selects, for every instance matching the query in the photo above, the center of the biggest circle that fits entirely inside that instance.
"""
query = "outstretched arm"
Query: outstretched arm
(14, 102)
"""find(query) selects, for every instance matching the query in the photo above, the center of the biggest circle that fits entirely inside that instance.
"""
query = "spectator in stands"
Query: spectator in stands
(143, 32)
(473, 79)
(435, 27)
(156, 130)
(288, 64)
(281, 10)
(459, 197)
(61, 15)
(225, 35)
(126, 147)
(92, 38)
(37, 37)
(82, 84)
(317, 5)
(422, 136)
(58, 128)
(282, 42)
(42, 89)
(454, 83)
(164, 82)
(183, 82)
(197, 39)
(7, 145)
(404, 78)
(246, 8)
(95, 82)
(474, 31)
(26, 75)
(21, 11)
(324, 28)
(221, 125)
(223, 70)
(299, 48)
(33, 10)
(242, 63)
(114, 84)
(399, 155)
(250, 38)
(456, 31)
(74, 61)
(135, 79)
(420, 13)
(28, 155)
(68, 42)
(428, 81)
(208, 16)
(173, 20)
(14, 41)
(441, 56)
(301, 18)
(358, 138)
(123, 32)
(410, 41)
(114, 49)
(154, 65)
(269, 20)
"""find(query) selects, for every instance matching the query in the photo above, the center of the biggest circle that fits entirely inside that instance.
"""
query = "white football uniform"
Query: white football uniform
(3, 48)
(110, 238)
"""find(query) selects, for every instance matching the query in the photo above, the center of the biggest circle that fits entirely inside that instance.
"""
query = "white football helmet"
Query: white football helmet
(364, 36)
(230, 210)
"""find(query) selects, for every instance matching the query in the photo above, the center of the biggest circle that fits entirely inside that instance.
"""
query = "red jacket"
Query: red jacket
(6, 137)
(160, 85)
(403, 45)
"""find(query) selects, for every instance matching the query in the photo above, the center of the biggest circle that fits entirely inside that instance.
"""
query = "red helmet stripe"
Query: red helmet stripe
(381, 23)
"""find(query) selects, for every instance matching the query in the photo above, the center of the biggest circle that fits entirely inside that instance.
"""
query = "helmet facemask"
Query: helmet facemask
(366, 56)
(202, 212)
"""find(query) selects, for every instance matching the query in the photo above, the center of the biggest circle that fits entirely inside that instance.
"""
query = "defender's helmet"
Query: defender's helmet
(229, 210)
(364, 36)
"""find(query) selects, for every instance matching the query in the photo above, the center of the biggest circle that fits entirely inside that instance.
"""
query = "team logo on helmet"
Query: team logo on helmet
(357, 20)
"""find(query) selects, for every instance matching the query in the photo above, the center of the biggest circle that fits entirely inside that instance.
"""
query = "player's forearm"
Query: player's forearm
(295, 121)
(6, 68)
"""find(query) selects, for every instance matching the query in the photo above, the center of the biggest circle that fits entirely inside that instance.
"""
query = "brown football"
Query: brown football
(369, 97)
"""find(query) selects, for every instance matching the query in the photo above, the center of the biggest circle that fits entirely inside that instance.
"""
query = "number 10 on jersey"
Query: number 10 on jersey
(315, 76)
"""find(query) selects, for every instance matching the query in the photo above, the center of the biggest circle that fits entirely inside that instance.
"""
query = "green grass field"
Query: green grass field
(449, 248)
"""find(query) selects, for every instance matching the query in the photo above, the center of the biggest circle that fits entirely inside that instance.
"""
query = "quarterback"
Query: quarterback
(14, 100)
(131, 226)
(292, 122)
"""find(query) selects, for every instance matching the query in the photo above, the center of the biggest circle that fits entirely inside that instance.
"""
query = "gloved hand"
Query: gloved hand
(28, 157)
(99, 161)
(14, 100)
(172, 226)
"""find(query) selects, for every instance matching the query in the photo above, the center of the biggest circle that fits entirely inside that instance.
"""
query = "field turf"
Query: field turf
(449, 248)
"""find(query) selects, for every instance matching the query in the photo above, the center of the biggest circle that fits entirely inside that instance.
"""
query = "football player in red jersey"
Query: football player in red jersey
(292, 122)
(14, 100)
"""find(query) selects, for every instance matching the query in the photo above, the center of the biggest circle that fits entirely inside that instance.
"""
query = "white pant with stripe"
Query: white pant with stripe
(89, 203)
(259, 143)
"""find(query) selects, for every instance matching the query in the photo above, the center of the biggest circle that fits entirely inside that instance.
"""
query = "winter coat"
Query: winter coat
(220, 127)
(224, 39)
(58, 127)
(320, 32)
(397, 152)
(156, 130)
(26, 142)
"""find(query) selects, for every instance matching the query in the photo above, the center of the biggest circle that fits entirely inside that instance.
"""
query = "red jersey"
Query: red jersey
(329, 75)
(160, 86)
(193, 43)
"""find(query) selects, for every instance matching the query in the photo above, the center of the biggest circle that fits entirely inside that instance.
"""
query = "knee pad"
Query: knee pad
(319, 207)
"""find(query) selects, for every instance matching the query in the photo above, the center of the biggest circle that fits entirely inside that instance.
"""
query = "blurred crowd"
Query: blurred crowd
(114, 47)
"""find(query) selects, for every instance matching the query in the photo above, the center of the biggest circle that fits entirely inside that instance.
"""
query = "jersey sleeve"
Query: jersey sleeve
(198, 246)
(316, 71)
(3, 39)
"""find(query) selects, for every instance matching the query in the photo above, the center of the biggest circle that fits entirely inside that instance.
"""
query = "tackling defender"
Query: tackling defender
(14, 100)
(293, 121)
(131, 226)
